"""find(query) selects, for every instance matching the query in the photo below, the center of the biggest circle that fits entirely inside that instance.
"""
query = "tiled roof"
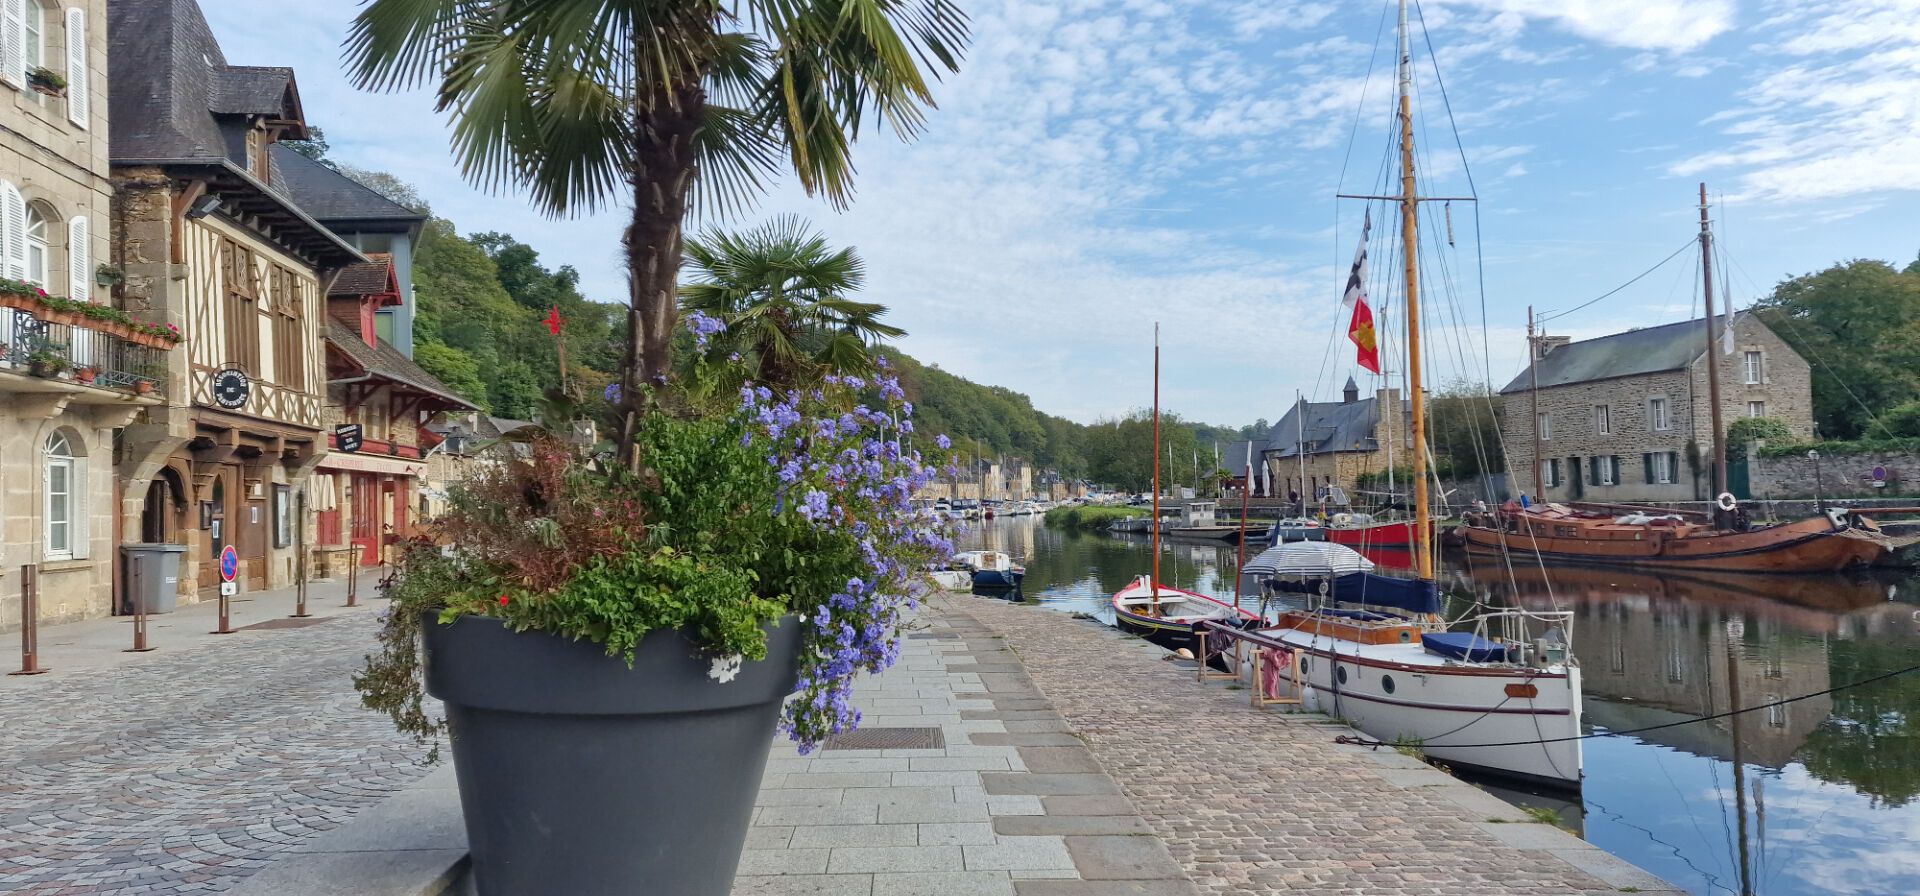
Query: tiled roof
(1328, 426)
(253, 90)
(329, 195)
(1648, 350)
(370, 278)
(385, 361)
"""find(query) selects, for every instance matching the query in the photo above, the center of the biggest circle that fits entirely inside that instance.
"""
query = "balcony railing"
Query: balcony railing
(32, 344)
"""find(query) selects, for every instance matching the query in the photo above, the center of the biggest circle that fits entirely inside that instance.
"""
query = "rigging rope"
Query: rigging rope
(1691, 243)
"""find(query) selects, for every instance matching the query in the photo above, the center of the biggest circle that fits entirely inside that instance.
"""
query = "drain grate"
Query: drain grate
(288, 622)
(888, 739)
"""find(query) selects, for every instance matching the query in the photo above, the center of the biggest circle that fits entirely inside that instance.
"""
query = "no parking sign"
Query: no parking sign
(229, 569)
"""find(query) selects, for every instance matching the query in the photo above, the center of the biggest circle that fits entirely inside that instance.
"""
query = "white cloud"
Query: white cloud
(1643, 24)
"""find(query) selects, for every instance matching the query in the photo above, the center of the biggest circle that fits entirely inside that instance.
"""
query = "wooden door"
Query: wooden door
(251, 531)
(366, 517)
(215, 534)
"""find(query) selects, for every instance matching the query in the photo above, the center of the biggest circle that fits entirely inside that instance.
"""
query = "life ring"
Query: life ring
(1726, 502)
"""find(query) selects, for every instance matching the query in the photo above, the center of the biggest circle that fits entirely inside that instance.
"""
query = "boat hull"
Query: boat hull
(998, 578)
(1451, 712)
(1379, 535)
(1810, 545)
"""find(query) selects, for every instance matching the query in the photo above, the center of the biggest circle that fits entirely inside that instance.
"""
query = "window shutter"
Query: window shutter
(13, 217)
(79, 260)
(1647, 460)
(79, 101)
(13, 42)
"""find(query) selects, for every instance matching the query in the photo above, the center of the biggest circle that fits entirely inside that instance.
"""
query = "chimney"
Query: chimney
(1546, 344)
(1351, 393)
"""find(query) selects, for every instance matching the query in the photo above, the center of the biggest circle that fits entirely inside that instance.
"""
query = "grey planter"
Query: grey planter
(581, 776)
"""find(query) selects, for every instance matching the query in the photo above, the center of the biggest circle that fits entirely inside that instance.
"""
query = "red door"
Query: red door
(366, 517)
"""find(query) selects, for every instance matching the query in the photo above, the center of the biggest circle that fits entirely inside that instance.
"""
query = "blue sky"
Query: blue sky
(1099, 166)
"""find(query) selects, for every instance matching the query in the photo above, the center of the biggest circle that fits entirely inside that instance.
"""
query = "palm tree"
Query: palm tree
(666, 105)
(782, 293)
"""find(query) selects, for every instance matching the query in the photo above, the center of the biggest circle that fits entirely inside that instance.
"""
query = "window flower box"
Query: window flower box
(47, 81)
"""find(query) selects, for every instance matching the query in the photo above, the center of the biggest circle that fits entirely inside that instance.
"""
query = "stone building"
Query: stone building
(57, 428)
(211, 244)
(1339, 441)
(1625, 417)
(364, 490)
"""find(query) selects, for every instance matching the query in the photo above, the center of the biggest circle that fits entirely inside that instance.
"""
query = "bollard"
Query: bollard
(300, 558)
(30, 622)
(139, 611)
(353, 581)
(226, 621)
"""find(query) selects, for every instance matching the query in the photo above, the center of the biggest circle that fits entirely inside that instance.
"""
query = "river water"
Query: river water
(1825, 799)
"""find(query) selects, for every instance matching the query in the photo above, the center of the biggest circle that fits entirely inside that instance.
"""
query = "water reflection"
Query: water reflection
(1824, 801)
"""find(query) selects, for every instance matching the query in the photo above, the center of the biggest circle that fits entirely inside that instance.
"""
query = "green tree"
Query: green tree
(584, 103)
(455, 367)
(1858, 326)
(1463, 426)
(782, 293)
(314, 147)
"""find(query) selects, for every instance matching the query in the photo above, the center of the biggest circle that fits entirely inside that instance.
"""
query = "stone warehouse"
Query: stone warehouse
(1624, 418)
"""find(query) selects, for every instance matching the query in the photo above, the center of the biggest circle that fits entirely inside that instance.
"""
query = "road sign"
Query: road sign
(229, 589)
(229, 564)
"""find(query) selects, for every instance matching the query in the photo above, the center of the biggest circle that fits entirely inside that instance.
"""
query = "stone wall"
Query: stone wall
(1839, 476)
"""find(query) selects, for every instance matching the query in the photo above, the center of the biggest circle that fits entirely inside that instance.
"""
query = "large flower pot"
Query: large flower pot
(579, 775)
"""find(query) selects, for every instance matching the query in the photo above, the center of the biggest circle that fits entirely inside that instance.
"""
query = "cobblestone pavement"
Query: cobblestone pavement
(190, 769)
(1258, 801)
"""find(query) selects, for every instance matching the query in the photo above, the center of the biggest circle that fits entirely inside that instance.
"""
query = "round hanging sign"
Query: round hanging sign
(231, 388)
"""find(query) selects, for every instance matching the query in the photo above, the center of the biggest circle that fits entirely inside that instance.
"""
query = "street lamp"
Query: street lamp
(1819, 484)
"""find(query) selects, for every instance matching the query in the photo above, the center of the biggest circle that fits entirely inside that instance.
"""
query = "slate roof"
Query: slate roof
(254, 90)
(1635, 352)
(383, 360)
(329, 195)
(368, 278)
(1328, 426)
(1233, 455)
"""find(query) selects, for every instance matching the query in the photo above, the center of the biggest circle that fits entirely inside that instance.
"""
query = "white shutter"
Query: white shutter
(79, 260)
(79, 101)
(13, 42)
(79, 506)
(13, 221)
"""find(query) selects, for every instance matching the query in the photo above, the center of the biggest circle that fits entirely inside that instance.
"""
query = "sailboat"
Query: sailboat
(1831, 540)
(1147, 609)
(1498, 696)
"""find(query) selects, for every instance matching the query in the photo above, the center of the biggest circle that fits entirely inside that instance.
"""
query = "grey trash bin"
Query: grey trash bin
(153, 569)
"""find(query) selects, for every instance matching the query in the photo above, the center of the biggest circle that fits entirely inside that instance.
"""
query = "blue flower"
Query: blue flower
(704, 327)
(943, 441)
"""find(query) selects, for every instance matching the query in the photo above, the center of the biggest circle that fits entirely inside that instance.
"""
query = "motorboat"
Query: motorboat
(1291, 529)
(991, 569)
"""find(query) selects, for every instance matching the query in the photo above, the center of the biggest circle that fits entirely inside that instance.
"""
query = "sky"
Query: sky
(1100, 166)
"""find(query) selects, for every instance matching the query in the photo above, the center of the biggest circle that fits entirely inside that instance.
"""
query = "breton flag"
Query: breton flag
(1357, 277)
(1727, 339)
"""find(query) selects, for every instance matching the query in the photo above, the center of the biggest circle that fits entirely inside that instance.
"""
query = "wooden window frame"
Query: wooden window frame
(240, 281)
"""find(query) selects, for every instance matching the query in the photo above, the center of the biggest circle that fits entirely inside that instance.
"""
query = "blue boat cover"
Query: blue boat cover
(1464, 646)
(1367, 588)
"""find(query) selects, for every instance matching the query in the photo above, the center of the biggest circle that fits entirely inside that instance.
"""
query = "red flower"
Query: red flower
(503, 600)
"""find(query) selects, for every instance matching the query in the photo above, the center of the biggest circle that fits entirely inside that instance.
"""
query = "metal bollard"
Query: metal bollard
(300, 557)
(139, 613)
(30, 622)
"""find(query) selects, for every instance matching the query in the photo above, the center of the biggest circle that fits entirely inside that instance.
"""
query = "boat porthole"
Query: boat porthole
(1386, 683)
(1306, 664)
(1340, 672)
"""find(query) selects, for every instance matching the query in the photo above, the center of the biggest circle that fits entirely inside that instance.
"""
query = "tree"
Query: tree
(781, 293)
(1858, 326)
(584, 103)
(1463, 426)
(394, 189)
(314, 147)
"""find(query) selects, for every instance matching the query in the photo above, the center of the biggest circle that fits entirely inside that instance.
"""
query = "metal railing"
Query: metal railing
(30, 343)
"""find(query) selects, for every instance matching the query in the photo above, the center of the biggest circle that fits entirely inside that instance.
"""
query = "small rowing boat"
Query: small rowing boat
(1166, 616)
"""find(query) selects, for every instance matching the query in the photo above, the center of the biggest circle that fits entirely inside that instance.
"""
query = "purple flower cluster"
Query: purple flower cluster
(704, 327)
(844, 470)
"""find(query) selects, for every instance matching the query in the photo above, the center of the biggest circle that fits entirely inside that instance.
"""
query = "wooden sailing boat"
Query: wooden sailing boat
(1490, 696)
(1834, 539)
(1148, 609)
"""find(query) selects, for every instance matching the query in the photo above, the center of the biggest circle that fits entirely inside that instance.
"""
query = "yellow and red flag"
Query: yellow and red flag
(1362, 333)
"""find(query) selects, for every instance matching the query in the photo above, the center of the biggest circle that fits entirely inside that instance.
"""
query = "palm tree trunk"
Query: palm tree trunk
(664, 169)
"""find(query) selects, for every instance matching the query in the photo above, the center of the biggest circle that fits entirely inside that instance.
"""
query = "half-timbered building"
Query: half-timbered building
(209, 242)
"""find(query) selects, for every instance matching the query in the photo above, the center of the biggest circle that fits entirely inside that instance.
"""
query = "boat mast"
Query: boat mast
(1300, 444)
(1713, 365)
(1409, 251)
(1153, 581)
(1533, 401)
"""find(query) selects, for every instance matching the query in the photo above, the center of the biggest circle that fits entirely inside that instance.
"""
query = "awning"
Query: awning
(374, 463)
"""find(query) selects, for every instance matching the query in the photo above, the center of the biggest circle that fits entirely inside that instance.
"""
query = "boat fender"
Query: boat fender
(1342, 520)
(1838, 517)
(1726, 502)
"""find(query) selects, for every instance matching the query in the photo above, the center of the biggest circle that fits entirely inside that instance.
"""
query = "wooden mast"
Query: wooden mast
(1153, 581)
(1409, 251)
(1713, 364)
(1533, 401)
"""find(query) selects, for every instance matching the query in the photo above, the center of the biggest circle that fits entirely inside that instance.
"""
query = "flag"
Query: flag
(554, 321)
(1727, 339)
(1362, 333)
(1357, 277)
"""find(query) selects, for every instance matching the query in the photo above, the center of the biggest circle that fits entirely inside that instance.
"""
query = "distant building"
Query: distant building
(1625, 417)
(1339, 441)
(368, 221)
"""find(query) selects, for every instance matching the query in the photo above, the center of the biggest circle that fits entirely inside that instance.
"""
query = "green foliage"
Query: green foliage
(783, 294)
(1090, 517)
(314, 147)
(1858, 326)
(1844, 449)
(1463, 424)
(456, 368)
(1871, 736)
(1747, 430)
(1901, 420)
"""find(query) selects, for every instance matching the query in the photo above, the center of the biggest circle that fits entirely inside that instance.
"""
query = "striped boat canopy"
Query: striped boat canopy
(1308, 558)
